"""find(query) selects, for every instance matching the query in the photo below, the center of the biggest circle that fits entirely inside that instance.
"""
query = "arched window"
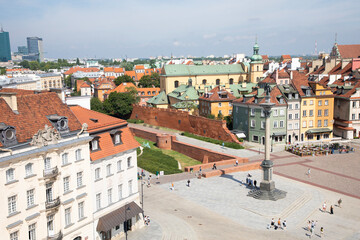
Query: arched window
(257, 68)
(217, 81)
(204, 81)
(176, 84)
(231, 81)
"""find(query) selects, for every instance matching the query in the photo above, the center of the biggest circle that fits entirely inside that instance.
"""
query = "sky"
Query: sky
(145, 28)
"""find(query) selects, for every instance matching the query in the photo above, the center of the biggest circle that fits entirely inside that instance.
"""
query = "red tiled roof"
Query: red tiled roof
(273, 97)
(349, 51)
(336, 69)
(299, 79)
(33, 109)
(265, 57)
(102, 122)
(324, 81)
(147, 90)
(121, 88)
(85, 85)
(215, 93)
(80, 69)
(138, 67)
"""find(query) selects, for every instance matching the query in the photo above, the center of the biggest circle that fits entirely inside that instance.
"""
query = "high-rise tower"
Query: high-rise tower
(35, 47)
(256, 65)
(5, 51)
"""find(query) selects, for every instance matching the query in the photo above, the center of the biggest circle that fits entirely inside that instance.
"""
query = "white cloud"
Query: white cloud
(209, 36)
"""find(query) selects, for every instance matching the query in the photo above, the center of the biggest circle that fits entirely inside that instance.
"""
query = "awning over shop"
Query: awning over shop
(279, 134)
(117, 217)
(241, 135)
(318, 130)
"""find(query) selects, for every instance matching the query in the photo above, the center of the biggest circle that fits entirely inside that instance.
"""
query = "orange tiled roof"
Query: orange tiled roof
(349, 51)
(121, 88)
(215, 96)
(273, 97)
(18, 70)
(85, 85)
(138, 67)
(300, 79)
(33, 109)
(102, 122)
(286, 56)
(147, 90)
(80, 69)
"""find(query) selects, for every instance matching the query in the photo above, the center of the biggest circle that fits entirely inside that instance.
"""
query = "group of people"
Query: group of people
(249, 182)
(278, 225)
(147, 220)
(331, 206)
(311, 228)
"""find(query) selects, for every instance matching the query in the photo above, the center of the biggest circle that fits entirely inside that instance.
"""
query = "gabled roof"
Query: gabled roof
(218, 95)
(336, 69)
(85, 85)
(77, 69)
(348, 93)
(102, 122)
(238, 89)
(259, 95)
(123, 87)
(349, 51)
(300, 82)
(191, 70)
(159, 99)
(33, 109)
(185, 92)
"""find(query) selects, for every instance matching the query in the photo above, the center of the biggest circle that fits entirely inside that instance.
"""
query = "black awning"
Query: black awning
(117, 217)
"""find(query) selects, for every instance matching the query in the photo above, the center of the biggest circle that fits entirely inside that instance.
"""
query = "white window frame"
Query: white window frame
(326, 123)
(98, 201)
(108, 170)
(129, 162)
(10, 175)
(275, 124)
(120, 191)
(94, 144)
(28, 169)
(319, 112)
(97, 173)
(296, 126)
(252, 111)
(252, 123)
(79, 179)
(109, 192)
(130, 187)
(282, 112)
(326, 102)
(12, 204)
(32, 231)
(290, 126)
(78, 155)
(30, 197)
(320, 103)
(319, 121)
(290, 116)
(117, 138)
(281, 123)
(311, 123)
(67, 216)
(275, 112)
(262, 124)
(119, 167)
(304, 124)
(65, 158)
(326, 112)
(14, 235)
(81, 210)
(66, 181)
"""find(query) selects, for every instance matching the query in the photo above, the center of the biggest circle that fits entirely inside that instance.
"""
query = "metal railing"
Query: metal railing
(57, 236)
(51, 172)
(53, 203)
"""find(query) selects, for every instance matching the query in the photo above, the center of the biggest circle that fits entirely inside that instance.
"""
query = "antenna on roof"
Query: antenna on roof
(1, 28)
(335, 38)
(256, 38)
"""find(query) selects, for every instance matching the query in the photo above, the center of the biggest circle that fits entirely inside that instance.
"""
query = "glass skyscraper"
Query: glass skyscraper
(5, 51)
(35, 48)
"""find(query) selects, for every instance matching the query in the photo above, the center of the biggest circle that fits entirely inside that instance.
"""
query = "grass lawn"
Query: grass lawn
(155, 159)
(215, 141)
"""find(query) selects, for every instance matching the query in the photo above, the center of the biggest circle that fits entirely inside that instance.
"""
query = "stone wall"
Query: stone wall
(182, 121)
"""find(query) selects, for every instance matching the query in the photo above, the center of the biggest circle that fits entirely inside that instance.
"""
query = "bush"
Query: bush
(135, 121)
(215, 141)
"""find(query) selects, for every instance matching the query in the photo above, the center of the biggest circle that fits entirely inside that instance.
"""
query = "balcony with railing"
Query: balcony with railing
(50, 204)
(57, 236)
(51, 172)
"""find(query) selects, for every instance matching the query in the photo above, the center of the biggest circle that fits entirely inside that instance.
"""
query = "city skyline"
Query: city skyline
(201, 28)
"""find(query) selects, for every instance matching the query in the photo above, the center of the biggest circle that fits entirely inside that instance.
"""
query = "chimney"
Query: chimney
(291, 75)
(243, 84)
(276, 75)
(11, 100)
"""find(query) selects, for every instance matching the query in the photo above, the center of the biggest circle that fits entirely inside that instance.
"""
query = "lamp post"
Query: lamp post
(142, 196)
(126, 222)
(267, 189)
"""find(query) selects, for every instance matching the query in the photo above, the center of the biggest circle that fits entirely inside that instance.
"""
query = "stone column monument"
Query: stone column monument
(267, 189)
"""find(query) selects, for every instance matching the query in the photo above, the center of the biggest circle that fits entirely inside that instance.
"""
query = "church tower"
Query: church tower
(256, 65)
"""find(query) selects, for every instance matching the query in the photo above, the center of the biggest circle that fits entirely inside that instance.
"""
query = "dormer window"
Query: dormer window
(60, 123)
(116, 137)
(94, 144)
(7, 135)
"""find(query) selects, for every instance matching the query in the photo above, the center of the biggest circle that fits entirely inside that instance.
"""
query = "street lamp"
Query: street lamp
(127, 208)
(142, 196)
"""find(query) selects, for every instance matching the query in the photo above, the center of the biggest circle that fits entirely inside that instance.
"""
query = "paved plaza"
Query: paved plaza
(219, 208)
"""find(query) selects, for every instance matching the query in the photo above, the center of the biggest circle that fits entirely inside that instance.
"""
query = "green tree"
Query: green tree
(96, 105)
(152, 63)
(34, 65)
(125, 78)
(229, 122)
(25, 64)
(211, 116)
(2, 71)
(68, 81)
(77, 61)
(220, 116)
(150, 80)
(120, 104)
(127, 65)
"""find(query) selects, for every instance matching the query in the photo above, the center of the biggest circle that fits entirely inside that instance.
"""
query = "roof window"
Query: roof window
(7, 135)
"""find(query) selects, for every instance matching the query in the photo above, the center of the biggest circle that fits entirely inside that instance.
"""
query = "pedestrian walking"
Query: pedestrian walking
(279, 223)
(331, 210)
(247, 181)
(214, 166)
(339, 202)
(236, 162)
(200, 170)
(308, 173)
(148, 183)
(311, 232)
(284, 224)
(324, 207)
(255, 182)
(272, 222)
(188, 182)
(309, 225)
(172, 186)
(321, 232)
